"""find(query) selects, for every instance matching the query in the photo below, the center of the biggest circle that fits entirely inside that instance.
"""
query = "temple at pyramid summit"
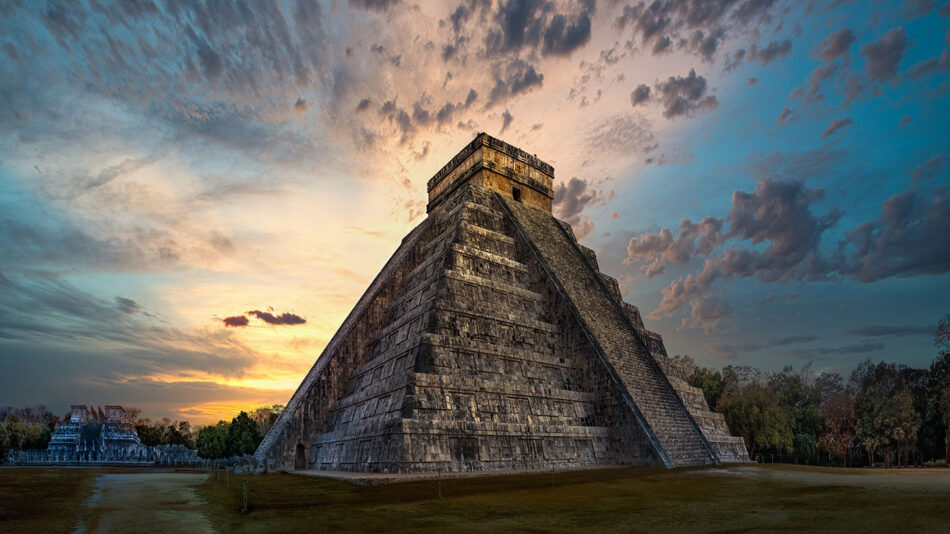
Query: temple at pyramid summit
(490, 340)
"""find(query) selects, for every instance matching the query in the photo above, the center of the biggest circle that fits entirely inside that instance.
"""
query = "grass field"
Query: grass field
(39, 500)
(748, 498)
(732, 499)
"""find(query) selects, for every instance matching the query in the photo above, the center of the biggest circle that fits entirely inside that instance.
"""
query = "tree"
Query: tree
(837, 416)
(266, 416)
(753, 411)
(801, 402)
(212, 440)
(942, 335)
(149, 434)
(243, 436)
(875, 384)
(710, 382)
(900, 423)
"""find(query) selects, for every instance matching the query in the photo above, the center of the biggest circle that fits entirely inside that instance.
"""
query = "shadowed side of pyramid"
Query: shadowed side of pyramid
(490, 341)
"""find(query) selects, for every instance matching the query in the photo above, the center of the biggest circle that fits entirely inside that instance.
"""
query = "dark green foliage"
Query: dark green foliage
(753, 412)
(243, 435)
(149, 434)
(212, 440)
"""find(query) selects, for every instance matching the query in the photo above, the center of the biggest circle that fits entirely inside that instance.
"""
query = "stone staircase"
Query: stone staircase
(663, 414)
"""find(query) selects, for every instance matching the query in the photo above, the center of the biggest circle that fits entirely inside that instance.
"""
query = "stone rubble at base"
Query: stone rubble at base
(491, 341)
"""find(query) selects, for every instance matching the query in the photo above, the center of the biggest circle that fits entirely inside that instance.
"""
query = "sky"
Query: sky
(193, 194)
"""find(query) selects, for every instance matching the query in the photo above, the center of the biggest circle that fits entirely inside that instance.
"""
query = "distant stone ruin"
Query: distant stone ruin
(492, 341)
(84, 439)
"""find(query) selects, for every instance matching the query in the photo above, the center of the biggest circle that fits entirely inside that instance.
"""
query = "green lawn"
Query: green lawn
(733, 499)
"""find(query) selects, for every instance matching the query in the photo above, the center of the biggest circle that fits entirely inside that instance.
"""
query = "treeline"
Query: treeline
(239, 437)
(31, 428)
(25, 428)
(884, 413)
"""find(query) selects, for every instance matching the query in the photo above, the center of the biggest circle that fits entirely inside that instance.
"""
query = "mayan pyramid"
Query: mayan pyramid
(491, 341)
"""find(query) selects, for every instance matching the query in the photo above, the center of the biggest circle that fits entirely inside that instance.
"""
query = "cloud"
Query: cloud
(930, 168)
(709, 313)
(50, 313)
(784, 116)
(835, 45)
(752, 81)
(506, 121)
(892, 331)
(235, 321)
(301, 105)
(561, 38)
(884, 55)
(684, 95)
(908, 239)
(621, 135)
(905, 120)
(825, 352)
(836, 125)
(374, 5)
(281, 319)
(773, 51)
(127, 305)
(515, 78)
(640, 95)
(777, 213)
(571, 199)
(698, 27)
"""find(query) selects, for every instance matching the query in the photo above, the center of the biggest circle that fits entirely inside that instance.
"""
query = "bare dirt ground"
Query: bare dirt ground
(145, 501)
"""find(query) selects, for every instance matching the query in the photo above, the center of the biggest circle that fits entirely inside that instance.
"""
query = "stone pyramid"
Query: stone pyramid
(491, 341)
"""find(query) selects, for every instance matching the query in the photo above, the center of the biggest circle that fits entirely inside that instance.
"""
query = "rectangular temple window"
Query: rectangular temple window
(516, 194)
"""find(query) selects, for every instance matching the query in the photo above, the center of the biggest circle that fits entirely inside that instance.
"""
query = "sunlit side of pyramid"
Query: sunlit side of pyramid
(491, 341)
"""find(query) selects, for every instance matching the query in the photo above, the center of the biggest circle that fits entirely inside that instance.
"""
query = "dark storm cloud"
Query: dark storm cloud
(835, 45)
(884, 55)
(836, 125)
(640, 95)
(684, 95)
(892, 331)
(773, 51)
(280, 319)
